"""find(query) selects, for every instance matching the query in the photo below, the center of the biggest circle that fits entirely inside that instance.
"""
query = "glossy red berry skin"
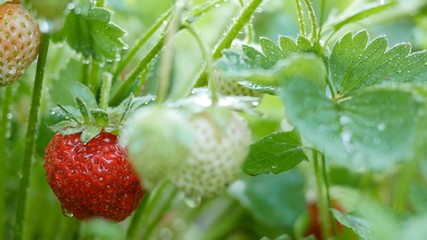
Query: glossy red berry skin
(93, 179)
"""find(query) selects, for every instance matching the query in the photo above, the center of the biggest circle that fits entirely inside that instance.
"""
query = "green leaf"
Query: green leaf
(373, 128)
(359, 225)
(85, 94)
(93, 35)
(274, 153)
(259, 66)
(354, 63)
(274, 200)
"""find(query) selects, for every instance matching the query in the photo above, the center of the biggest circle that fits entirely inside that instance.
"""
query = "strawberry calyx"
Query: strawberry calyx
(89, 119)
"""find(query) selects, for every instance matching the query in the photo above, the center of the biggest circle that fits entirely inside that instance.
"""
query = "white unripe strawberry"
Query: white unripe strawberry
(221, 143)
(158, 140)
(230, 87)
(19, 42)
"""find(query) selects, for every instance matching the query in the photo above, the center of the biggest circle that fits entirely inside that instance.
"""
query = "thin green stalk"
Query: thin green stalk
(155, 206)
(30, 138)
(328, 192)
(223, 226)
(205, 8)
(126, 86)
(313, 20)
(94, 76)
(233, 31)
(142, 80)
(207, 59)
(322, 16)
(323, 208)
(401, 200)
(105, 91)
(300, 17)
(123, 63)
(229, 36)
(4, 132)
(166, 60)
(84, 74)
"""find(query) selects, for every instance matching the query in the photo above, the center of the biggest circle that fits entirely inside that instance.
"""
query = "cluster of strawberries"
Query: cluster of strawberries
(200, 152)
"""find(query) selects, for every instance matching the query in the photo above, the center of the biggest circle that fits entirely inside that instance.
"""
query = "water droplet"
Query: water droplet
(217, 5)
(273, 166)
(165, 234)
(381, 127)
(193, 201)
(67, 213)
(178, 224)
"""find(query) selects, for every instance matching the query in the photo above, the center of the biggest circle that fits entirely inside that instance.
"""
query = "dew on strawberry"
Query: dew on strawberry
(93, 179)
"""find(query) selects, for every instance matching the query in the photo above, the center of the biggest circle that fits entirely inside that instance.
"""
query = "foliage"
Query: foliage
(341, 115)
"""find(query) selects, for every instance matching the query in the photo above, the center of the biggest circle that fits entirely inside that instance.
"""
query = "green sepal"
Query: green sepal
(83, 110)
(120, 113)
(89, 133)
(63, 126)
(69, 112)
(85, 94)
(101, 117)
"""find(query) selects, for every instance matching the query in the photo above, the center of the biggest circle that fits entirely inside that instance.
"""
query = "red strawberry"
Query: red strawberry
(93, 179)
(314, 227)
(19, 42)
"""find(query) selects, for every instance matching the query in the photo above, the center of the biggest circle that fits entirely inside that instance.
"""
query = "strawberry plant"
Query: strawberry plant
(217, 119)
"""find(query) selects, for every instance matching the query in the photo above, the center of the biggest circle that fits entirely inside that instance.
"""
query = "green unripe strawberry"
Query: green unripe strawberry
(221, 143)
(158, 140)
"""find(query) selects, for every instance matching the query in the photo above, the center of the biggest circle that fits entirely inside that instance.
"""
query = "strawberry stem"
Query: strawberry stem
(229, 36)
(30, 137)
(123, 63)
(323, 208)
(408, 173)
(4, 131)
(126, 87)
(208, 62)
(105, 90)
(166, 63)
(300, 17)
(328, 193)
(313, 19)
(153, 210)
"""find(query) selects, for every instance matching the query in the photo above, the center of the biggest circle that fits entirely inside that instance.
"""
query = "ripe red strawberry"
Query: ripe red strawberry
(19, 41)
(221, 142)
(93, 179)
